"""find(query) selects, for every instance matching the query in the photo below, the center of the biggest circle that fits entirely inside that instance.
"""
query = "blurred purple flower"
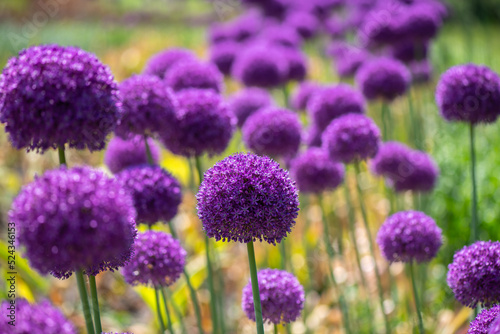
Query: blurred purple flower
(421, 71)
(348, 58)
(303, 93)
(223, 55)
(247, 101)
(297, 64)
(305, 24)
(124, 153)
(189, 74)
(409, 51)
(160, 63)
(313, 136)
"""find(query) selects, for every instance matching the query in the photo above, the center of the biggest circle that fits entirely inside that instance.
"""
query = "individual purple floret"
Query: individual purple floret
(273, 131)
(189, 74)
(247, 101)
(161, 62)
(223, 55)
(408, 236)
(469, 93)
(158, 260)
(124, 153)
(51, 96)
(495, 325)
(40, 318)
(421, 71)
(281, 294)
(149, 106)
(204, 124)
(246, 197)
(74, 219)
(301, 96)
(474, 274)
(156, 193)
(483, 323)
(351, 138)
(305, 24)
(315, 172)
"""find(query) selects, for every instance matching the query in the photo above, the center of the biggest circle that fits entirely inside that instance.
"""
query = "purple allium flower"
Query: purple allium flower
(474, 274)
(204, 124)
(158, 260)
(385, 78)
(156, 193)
(149, 106)
(381, 25)
(281, 35)
(419, 23)
(281, 294)
(40, 318)
(223, 55)
(335, 101)
(247, 101)
(273, 131)
(350, 138)
(301, 96)
(121, 154)
(313, 136)
(408, 236)
(410, 50)
(189, 74)
(315, 172)
(220, 33)
(495, 325)
(469, 93)
(74, 219)
(246, 26)
(52, 95)
(348, 58)
(246, 197)
(160, 63)
(335, 28)
(305, 24)
(483, 323)
(297, 64)
(421, 71)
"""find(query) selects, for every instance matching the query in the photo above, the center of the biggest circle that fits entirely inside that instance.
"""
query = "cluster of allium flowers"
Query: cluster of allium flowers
(281, 294)
(156, 193)
(74, 219)
(273, 131)
(303, 94)
(124, 153)
(247, 101)
(188, 74)
(474, 274)
(158, 260)
(305, 24)
(223, 55)
(315, 172)
(245, 197)
(409, 236)
(495, 325)
(483, 323)
(204, 124)
(149, 106)
(52, 95)
(348, 58)
(297, 64)
(41, 318)
(160, 63)
(469, 93)
(351, 138)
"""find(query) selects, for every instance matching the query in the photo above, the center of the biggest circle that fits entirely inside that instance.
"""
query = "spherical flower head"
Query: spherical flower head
(246, 197)
(219, 33)
(52, 95)
(381, 25)
(348, 59)
(273, 131)
(281, 294)
(297, 64)
(223, 55)
(149, 106)
(282, 36)
(158, 260)
(41, 318)
(313, 136)
(419, 22)
(246, 102)
(124, 153)
(303, 93)
(189, 74)
(156, 193)
(160, 63)
(384, 78)
(408, 236)
(495, 325)
(483, 323)
(74, 219)
(204, 124)
(469, 93)
(305, 24)
(335, 27)
(474, 274)
(315, 172)
(351, 138)
(410, 50)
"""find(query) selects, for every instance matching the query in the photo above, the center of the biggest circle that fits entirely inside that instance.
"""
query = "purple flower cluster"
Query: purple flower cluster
(245, 197)
(348, 58)
(188, 74)
(297, 64)
(409, 51)
(304, 92)
(305, 24)
(161, 62)
(313, 136)
(247, 101)
(124, 153)
(52, 95)
(483, 324)
(223, 55)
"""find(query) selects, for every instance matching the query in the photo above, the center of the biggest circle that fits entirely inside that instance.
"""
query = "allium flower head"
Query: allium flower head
(160, 63)
(421, 71)
(40, 318)
(483, 324)
(419, 23)
(156, 193)
(305, 24)
(223, 55)
(350, 138)
(281, 294)
(189, 74)
(281, 35)
(381, 25)
(246, 197)
(52, 95)
(158, 260)
(247, 101)
(74, 219)
(469, 93)
(495, 325)
(313, 136)
(474, 274)
(273, 131)
(297, 64)
(348, 58)
(410, 50)
(301, 96)
(124, 153)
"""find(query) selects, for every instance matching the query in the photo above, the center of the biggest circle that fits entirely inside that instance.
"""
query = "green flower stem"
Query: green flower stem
(158, 311)
(255, 288)
(385, 121)
(275, 329)
(62, 155)
(85, 300)
(165, 304)
(95, 304)
(220, 296)
(286, 95)
(177, 312)
(417, 301)
(283, 255)
(148, 151)
(475, 220)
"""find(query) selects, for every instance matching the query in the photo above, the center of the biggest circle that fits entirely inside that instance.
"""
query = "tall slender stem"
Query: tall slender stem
(275, 329)
(385, 120)
(255, 288)
(283, 255)
(158, 311)
(177, 312)
(475, 220)
(62, 155)
(95, 304)
(165, 304)
(148, 151)
(417, 300)
(85, 301)
(285, 95)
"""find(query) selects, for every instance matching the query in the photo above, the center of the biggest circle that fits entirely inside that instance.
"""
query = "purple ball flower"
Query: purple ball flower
(160, 63)
(305, 24)
(474, 274)
(52, 95)
(156, 193)
(246, 197)
(419, 22)
(483, 324)
(158, 260)
(381, 25)
(189, 74)
(469, 93)
(41, 318)
(351, 138)
(495, 325)
(297, 64)
(281, 294)
(247, 101)
(348, 58)
(74, 219)
(302, 95)
(281, 36)
(121, 154)
(408, 236)
(409, 51)
(313, 136)
(223, 55)
(272, 131)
